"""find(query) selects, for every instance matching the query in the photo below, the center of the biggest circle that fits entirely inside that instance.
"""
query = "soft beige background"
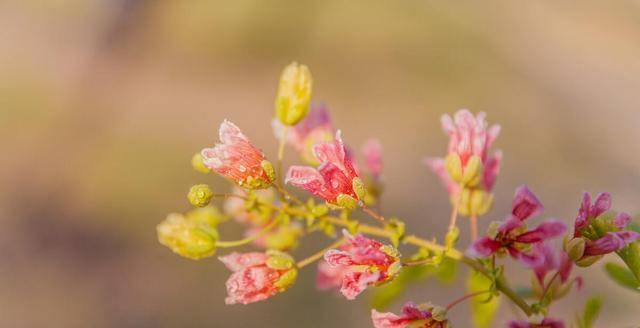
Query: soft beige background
(102, 103)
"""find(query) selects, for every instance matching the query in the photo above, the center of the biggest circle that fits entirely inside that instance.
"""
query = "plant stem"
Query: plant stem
(318, 255)
(454, 213)
(474, 227)
(281, 144)
(465, 297)
(548, 286)
(235, 243)
(373, 214)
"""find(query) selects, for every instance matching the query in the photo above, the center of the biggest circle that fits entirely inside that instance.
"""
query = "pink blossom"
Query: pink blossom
(610, 241)
(366, 262)
(560, 263)
(545, 323)
(512, 233)
(237, 159)
(468, 136)
(372, 151)
(412, 315)
(253, 279)
(313, 129)
(334, 177)
(330, 276)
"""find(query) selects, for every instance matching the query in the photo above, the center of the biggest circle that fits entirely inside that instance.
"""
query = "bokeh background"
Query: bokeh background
(103, 102)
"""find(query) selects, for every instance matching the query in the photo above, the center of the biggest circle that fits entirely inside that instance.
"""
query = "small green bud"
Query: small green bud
(268, 170)
(197, 162)
(294, 94)
(346, 201)
(279, 260)
(187, 238)
(575, 248)
(451, 237)
(454, 167)
(200, 195)
(472, 174)
(359, 188)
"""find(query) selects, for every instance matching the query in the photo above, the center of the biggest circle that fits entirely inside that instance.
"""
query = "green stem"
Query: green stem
(319, 254)
(235, 243)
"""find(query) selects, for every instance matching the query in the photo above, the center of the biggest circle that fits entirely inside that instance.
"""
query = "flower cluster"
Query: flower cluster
(276, 220)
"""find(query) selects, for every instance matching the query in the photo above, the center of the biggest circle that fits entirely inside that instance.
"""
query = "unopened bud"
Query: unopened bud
(197, 162)
(294, 94)
(279, 260)
(200, 195)
(186, 238)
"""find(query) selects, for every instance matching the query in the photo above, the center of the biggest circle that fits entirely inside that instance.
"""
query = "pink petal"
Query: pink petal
(330, 276)
(438, 167)
(622, 220)
(483, 247)
(601, 205)
(544, 231)
(582, 220)
(355, 282)
(230, 133)
(491, 170)
(337, 257)
(611, 242)
(250, 285)
(387, 320)
(525, 204)
(372, 152)
(238, 261)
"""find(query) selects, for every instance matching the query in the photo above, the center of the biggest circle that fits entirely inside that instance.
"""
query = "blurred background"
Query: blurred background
(103, 102)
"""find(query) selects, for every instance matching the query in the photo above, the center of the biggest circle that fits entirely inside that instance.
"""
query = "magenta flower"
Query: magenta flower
(603, 235)
(545, 323)
(335, 180)
(313, 129)
(512, 235)
(237, 159)
(412, 316)
(561, 264)
(257, 276)
(372, 151)
(366, 262)
(468, 162)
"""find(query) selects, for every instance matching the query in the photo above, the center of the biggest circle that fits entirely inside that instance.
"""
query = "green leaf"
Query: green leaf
(591, 311)
(483, 309)
(622, 276)
(631, 257)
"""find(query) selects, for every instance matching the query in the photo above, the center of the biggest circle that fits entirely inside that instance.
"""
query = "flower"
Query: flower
(368, 262)
(193, 235)
(237, 159)
(599, 231)
(313, 129)
(545, 323)
(512, 235)
(468, 172)
(335, 180)
(294, 94)
(424, 315)
(330, 276)
(258, 276)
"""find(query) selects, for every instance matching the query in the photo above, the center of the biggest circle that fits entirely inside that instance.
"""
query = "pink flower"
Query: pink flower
(372, 151)
(512, 236)
(237, 159)
(468, 162)
(366, 262)
(597, 241)
(255, 277)
(545, 323)
(412, 315)
(330, 276)
(334, 179)
(313, 129)
(561, 264)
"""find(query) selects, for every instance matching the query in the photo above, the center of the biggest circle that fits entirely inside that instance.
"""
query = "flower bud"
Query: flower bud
(200, 195)
(472, 171)
(439, 313)
(197, 162)
(480, 202)
(454, 167)
(294, 94)
(575, 248)
(186, 238)
(359, 188)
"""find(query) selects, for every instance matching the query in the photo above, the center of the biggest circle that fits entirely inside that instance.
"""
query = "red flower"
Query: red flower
(237, 159)
(257, 276)
(412, 316)
(365, 262)
(335, 180)
(512, 236)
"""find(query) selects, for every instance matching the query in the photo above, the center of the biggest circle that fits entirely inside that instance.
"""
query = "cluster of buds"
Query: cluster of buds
(598, 231)
(468, 171)
(192, 235)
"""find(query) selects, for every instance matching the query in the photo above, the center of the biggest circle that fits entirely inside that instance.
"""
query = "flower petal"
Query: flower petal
(544, 231)
(238, 261)
(387, 320)
(622, 220)
(525, 204)
(483, 247)
(601, 205)
(611, 242)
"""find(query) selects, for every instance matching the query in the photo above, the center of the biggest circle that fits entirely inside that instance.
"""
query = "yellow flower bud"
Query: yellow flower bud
(472, 172)
(187, 238)
(454, 167)
(197, 162)
(200, 195)
(575, 248)
(294, 94)
(346, 201)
